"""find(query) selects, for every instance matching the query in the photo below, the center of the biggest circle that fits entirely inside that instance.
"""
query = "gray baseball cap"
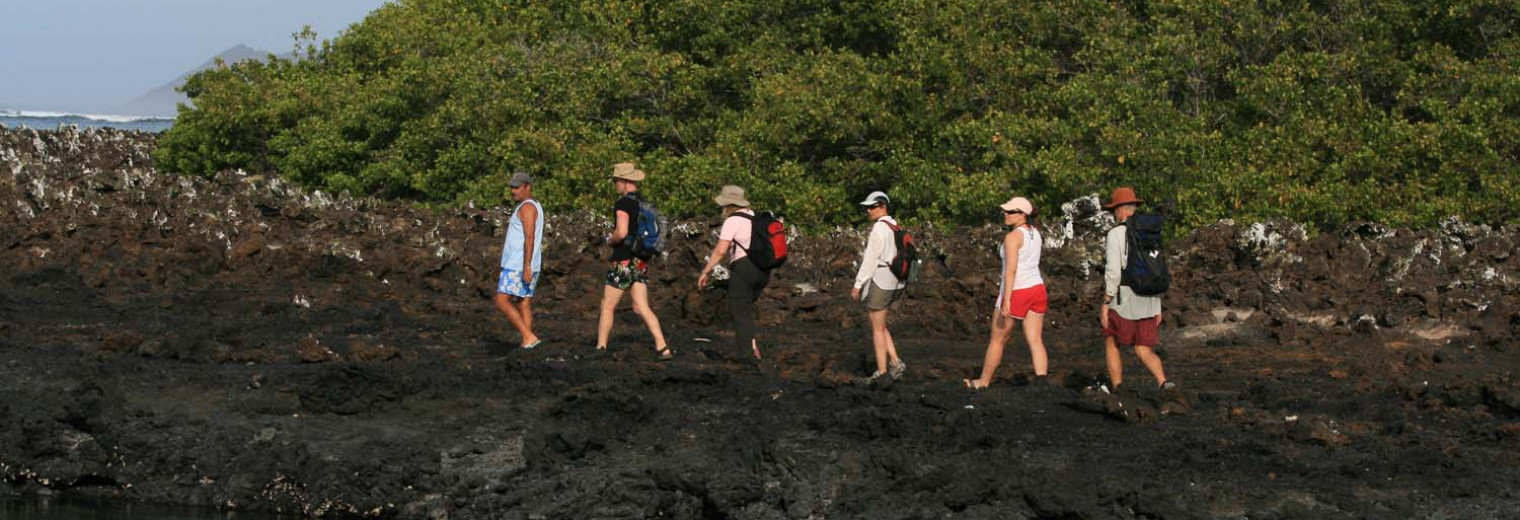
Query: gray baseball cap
(519, 179)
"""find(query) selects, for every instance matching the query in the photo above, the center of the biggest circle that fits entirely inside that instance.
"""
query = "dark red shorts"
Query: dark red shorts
(1021, 302)
(1127, 333)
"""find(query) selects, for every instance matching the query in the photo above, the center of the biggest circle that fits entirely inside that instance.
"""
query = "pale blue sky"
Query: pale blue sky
(89, 55)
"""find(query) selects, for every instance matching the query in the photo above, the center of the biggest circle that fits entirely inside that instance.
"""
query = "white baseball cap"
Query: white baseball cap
(876, 197)
(1019, 204)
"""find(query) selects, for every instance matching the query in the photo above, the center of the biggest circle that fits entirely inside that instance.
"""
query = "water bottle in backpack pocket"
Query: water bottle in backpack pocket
(1145, 270)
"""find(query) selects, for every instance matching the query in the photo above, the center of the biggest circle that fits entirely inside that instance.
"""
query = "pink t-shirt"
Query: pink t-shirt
(737, 229)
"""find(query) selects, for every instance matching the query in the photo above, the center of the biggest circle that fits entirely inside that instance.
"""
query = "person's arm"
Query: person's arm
(726, 237)
(719, 251)
(529, 217)
(619, 231)
(1011, 244)
(1113, 264)
(875, 244)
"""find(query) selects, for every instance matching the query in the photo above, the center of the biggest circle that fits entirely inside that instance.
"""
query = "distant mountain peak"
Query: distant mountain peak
(162, 101)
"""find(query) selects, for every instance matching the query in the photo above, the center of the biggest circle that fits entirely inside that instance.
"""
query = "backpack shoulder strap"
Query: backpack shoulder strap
(1124, 258)
(751, 219)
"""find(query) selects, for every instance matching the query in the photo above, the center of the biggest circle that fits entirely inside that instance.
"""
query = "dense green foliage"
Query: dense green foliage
(1323, 111)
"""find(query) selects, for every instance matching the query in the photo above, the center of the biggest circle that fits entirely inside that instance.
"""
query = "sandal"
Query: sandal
(974, 384)
(664, 354)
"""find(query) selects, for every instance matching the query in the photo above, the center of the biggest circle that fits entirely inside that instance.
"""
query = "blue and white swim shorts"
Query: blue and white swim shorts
(511, 284)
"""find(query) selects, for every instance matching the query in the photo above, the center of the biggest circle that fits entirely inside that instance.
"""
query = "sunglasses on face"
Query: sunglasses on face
(1013, 212)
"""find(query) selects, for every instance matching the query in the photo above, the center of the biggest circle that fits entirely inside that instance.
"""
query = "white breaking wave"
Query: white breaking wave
(109, 118)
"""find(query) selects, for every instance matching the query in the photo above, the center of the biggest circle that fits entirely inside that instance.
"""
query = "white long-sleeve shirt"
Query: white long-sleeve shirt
(880, 249)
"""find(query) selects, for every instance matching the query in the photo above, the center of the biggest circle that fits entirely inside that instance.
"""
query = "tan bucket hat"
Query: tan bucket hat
(626, 171)
(731, 196)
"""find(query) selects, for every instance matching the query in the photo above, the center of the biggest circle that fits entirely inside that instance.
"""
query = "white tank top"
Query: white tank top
(1028, 272)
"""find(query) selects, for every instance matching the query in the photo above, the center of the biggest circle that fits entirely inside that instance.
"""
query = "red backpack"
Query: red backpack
(767, 241)
(905, 266)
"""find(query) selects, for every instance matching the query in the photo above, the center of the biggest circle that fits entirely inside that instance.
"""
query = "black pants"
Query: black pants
(744, 287)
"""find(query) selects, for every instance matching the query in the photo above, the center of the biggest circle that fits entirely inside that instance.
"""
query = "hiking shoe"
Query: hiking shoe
(876, 378)
(1173, 402)
(1098, 398)
(896, 369)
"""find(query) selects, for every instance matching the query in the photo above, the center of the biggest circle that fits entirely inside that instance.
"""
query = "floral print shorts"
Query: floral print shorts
(624, 273)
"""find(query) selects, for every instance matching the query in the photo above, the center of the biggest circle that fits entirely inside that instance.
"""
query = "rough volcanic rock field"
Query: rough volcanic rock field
(242, 343)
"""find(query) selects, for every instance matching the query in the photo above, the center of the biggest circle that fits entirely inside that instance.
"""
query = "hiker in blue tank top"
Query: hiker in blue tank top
(521, 259)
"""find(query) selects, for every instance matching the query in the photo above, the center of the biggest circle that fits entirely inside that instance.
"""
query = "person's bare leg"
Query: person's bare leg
(879, 338)
(641, 307)
(891, 345)
(1114, 362)
(1148, 356)
(1034, 334)
(504, 304)
(610, 297)
(525, 305)
(1001, 326)
(525, 310)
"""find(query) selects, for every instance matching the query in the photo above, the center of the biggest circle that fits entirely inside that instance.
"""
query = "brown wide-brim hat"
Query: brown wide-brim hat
(1122, 196)
(626, 171)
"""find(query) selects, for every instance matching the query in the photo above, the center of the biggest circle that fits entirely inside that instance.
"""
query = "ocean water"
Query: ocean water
(52, 509)
(52, 120)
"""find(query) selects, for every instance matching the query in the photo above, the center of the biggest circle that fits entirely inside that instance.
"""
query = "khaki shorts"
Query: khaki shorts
(878, 299)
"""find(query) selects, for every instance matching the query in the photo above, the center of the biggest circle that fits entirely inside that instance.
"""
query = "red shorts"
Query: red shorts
(1127, 333)
(1021, 302)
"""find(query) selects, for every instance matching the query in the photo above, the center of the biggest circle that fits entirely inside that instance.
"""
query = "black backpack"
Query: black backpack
(906, 265)
(767, 241)
(1145, 270)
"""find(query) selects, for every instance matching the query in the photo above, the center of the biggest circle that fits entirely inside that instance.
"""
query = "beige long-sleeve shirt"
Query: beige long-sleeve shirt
(880, 249)
(1121, 299)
